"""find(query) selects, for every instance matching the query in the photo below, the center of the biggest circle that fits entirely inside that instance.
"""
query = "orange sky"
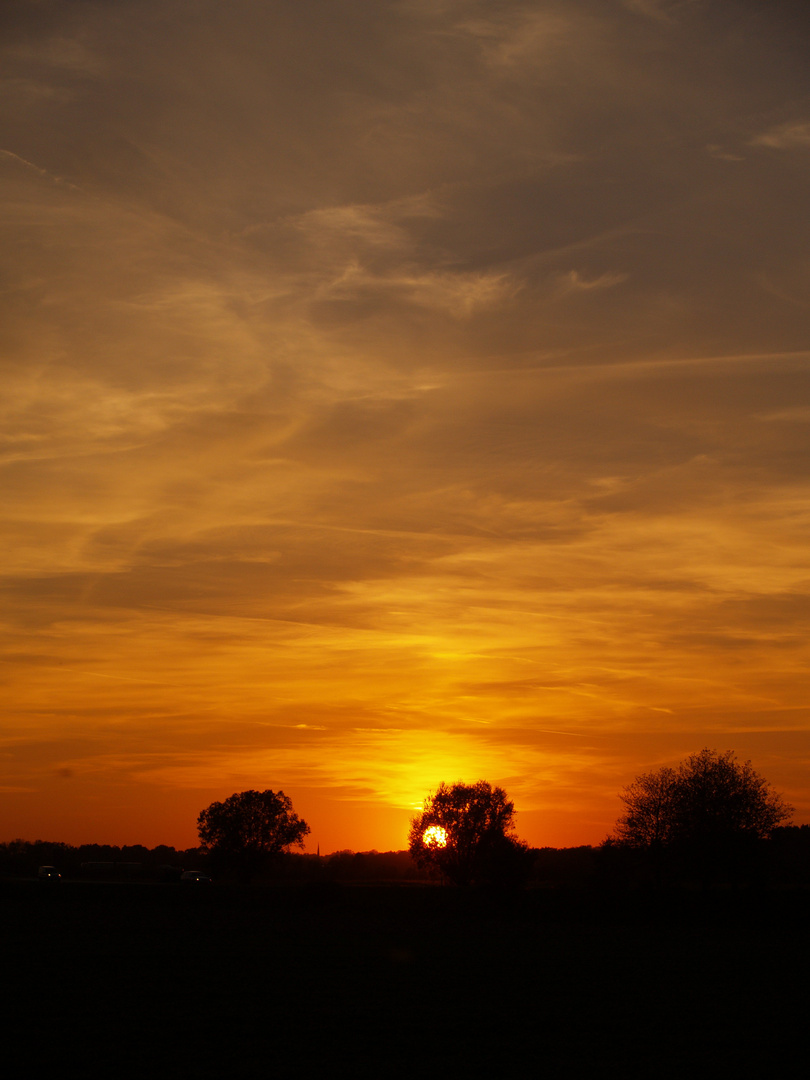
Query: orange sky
(397, 392)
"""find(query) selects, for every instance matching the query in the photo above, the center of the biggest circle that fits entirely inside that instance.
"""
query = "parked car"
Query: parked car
(195, 875)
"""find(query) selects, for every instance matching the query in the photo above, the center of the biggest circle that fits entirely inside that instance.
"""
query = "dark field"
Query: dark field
(160, 980)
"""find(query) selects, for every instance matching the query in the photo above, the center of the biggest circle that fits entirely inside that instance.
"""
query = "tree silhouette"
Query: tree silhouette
(465, 832)
(650, 803)
(249, 828)
(712, 811)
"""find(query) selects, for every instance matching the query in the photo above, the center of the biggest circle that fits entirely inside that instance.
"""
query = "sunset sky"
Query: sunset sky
(396, 392)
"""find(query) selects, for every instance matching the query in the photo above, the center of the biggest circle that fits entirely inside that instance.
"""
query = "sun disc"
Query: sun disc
(434, 836)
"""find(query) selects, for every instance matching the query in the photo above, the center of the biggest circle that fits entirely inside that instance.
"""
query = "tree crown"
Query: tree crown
(463, 831)
(251, 822)
(710, 795)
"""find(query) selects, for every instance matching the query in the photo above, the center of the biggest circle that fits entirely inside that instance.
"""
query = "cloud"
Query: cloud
(721, 153)
(573, 282)
(519, 37)
(396, 393)
(377, 226)
(459, 295)
(15, 158)
(66, 52)
(791, 135)
(662, 11)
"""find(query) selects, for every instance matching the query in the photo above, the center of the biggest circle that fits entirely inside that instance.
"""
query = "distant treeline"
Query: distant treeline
(22, 858)
(782, 860)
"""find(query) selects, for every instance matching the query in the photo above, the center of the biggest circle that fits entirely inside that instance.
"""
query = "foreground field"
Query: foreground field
(226, 980)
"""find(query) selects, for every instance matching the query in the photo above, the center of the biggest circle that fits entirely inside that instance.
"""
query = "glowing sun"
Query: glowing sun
(434, 836)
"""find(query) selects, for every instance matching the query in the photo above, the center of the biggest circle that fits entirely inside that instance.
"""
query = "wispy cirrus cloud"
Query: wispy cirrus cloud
(790, 135)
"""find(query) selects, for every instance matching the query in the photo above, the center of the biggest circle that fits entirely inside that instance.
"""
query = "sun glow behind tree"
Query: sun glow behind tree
(466, 833)
(434, 836)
